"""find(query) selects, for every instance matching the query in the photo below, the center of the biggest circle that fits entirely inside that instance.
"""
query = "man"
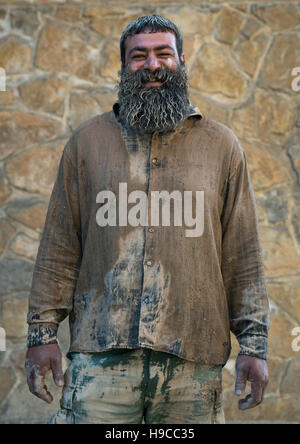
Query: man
(151, 299)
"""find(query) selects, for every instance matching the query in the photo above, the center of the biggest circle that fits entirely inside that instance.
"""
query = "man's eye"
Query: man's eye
(165, 55)
(138, 56)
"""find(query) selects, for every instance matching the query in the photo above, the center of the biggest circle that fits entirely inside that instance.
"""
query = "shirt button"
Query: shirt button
(150, 230)
(154, 160)
(146, 300)
(149, 263)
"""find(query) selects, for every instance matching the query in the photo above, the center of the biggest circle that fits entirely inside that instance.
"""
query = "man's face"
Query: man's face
(153, 88)
(152, 51)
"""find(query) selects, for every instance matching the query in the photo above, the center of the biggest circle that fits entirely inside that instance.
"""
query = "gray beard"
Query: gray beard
(149, 109)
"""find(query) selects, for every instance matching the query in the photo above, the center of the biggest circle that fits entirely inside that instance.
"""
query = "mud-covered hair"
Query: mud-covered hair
(152, 23)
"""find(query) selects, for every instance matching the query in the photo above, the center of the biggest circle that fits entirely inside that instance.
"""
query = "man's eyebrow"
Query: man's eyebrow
(144, 49)
(159, 48)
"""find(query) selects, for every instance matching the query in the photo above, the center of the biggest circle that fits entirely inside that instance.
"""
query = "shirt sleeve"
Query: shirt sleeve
(59, 256)
(242, 262)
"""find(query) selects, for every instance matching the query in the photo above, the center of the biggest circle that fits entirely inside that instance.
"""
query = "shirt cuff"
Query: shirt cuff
(42, 334)
(254, 345)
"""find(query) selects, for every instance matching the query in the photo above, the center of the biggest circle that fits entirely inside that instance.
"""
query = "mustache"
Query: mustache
(135, 81)
(160, 75)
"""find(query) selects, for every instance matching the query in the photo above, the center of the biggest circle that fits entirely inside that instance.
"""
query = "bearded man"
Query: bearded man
(150, 308)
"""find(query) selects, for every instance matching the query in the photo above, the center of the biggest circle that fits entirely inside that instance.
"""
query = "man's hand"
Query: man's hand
(39, 360)
(255, 370)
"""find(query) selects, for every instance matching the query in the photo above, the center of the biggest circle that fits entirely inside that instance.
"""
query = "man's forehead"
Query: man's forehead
(150, 40)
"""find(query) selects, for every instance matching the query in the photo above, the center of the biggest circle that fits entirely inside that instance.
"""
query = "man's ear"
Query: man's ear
(182, 58)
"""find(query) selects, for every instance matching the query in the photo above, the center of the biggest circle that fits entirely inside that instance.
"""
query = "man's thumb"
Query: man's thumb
(241, 381)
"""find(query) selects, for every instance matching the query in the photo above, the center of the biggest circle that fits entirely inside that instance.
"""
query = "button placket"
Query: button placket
(149, 260)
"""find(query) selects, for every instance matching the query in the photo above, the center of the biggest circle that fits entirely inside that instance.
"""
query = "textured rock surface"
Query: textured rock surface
(62, 61)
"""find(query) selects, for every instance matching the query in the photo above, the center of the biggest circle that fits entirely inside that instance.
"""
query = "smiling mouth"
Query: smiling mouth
(153, 83)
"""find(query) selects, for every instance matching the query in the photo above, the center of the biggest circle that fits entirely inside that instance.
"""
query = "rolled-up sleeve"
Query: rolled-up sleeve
(242, 261)
(59, 256)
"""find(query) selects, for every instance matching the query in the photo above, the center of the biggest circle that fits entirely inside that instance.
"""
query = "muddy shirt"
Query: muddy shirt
(152, 240)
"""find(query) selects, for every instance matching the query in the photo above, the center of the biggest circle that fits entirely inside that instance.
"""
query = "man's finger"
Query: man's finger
(241, 381)
(39, 387)
(248, 403)
(57, 372)
(30, 378)
(44, 395)
(255, 398)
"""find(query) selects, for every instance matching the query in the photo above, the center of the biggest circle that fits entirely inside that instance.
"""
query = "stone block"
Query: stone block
(13, 316)
(248, 53)
(266, 170)
(296, 225)
(280, 338)
(276, 72)
(191, 20)
(213, 73)
(250, 27)
(279, 17)
(210, 107)
(290, 381)
(280, 254)
(82, 108)
(105, 99)
(15, 275)
(17, 357)
(286, 294)
(277, 368)
(111, 60)
(34, 170)
(25, 246)
(276, 205)
(294, 155)
(68, 14)
(24, 20)
(45, 94)
(7, 231)
(111, 20)
(15, 55)
(19, 129)
(228, 25)
(8, 379)
(191, 45)
(64, 49)
(265, 118)
(29, 213)
(4, 190)
(7, 98)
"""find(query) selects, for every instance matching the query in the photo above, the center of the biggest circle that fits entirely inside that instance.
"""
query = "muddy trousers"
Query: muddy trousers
(137, 386)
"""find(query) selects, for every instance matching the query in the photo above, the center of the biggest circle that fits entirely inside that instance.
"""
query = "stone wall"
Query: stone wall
(61, 60)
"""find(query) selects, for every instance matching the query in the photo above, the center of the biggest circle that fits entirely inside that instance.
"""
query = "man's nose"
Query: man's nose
(152, 63)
